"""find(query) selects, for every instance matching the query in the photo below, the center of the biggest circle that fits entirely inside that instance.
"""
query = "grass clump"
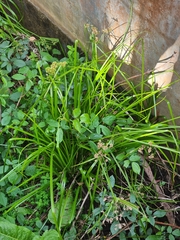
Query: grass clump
(80, 160)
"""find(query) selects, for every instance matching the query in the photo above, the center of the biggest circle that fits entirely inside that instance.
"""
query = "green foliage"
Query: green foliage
(72, 146)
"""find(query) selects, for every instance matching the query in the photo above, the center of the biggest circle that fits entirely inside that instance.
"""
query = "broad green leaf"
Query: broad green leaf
(77, 125)
(19, 63)
(14, 178)
(20, 114)
(109, 120)
(76, 112)
(64, 125)
(93, 146)
(50, 235)
(112, 181)
(159, 213)
(59, 136)
(126, 163)
(105, 130)
(115, 227)
(71, 234)
(28, 85)
(94, 121)
(5, 44)
(52, 123)
(6, 120)
(134, 157)
(24, 70)
(3, 200)
(15, 96)
(10, 231)
(10, 52)
(64, 210)
(153, 237)
(18, 77)
(4, 169)
(84, 118)
(120, 157)
(176, 232)
(136, 168)
(30, 170)
(9, 67)
(95, 136)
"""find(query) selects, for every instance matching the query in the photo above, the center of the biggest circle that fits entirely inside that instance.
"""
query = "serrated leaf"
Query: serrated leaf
(3, 200)
(18, 77)
(136, 168)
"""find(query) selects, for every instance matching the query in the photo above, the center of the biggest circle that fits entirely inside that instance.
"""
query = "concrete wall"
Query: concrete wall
(157, 22)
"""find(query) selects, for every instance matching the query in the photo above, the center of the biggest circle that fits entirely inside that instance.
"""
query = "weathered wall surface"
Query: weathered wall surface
(157, 22)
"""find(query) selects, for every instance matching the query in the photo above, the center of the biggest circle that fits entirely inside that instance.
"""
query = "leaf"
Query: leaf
(6, 120)
(14, 178)
(105, 130)
(115, 227)
(18, 77)
(109, 120)
(28, 85)
(136, 168)
(71, 234)
(84, 118)
(10, 231)
(93, 146)
(153, 237)
(19, 63)
(4, 169)
(15, 96)
(112, 181)
(134, 157)
(64, 209)
(3, 200)
(59, 137)
(9, 67)
(176, 232)
(50, 235)
(52, 123)
(95, 136)
(30, 170)
(159, 213)
(76, 112)
(77, 125)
